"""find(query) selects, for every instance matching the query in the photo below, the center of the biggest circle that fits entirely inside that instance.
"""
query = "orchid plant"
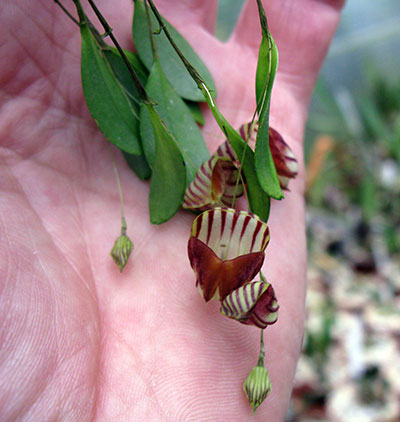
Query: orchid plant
(226, 246)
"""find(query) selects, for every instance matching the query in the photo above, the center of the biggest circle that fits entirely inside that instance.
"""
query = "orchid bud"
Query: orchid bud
(252, 304)
(257, 386)
(121, 250)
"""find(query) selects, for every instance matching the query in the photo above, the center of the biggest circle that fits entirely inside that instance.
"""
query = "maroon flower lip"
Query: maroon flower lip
(226, 250)
(215, 276)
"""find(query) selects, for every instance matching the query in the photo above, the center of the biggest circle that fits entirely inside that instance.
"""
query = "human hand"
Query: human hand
(78, 340)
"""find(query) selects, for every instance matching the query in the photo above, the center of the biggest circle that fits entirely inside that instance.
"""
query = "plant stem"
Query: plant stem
(262, 350)
(66, 11)
(121, 198)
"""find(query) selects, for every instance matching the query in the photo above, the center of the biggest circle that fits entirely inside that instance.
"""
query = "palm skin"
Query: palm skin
(78, 340)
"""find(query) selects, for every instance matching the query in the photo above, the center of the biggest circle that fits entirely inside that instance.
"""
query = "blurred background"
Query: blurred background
(349, 370)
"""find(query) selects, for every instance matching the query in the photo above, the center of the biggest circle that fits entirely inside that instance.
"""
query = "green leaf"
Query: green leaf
(135, 62)
(171, 65)
(121, 72)
(264, 163)
(267, 65)
(106, 98)
(266, 70)
(147, 135)
(177, 117)
(168, 181)
(196, 112)
(139, 165)
(259, 201)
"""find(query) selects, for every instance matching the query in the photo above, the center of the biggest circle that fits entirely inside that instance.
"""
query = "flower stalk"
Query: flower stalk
(123, 246)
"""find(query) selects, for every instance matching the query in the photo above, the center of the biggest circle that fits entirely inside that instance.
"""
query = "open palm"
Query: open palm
(78, 340)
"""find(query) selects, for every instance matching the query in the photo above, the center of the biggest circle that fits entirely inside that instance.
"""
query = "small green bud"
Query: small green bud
(257, 386)
(121, 250)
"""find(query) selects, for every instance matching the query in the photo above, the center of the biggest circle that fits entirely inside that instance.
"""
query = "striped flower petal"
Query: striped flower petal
(252, 304)
(226, 250)
(215, 185)
(226, 151)
(285, 162)
(230, 233)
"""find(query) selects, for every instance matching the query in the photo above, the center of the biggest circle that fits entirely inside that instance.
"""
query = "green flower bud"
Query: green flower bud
(257, 386)
(121, 250)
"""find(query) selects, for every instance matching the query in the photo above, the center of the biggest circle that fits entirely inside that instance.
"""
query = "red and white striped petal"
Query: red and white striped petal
(285, 162)
(230, 233)
(226, 151)
(248, 132)
(252, 304)
(215, 184)
(226, 250)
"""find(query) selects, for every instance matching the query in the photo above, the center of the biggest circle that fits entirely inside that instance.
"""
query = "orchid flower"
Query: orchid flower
(226, 251)
(217, 182)
(215, 185)
(285, 162)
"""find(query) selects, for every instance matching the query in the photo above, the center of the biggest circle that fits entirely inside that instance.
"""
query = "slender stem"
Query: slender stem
(121, 198)
(66, 11)
(139, 87)
(263, 17)
(262, 350)
(240, 177)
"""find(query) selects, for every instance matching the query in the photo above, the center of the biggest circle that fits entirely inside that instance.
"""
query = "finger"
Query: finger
(302, 31)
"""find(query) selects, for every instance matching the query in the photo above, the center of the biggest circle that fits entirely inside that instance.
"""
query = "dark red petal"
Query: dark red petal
(214, 274)
(284, 159)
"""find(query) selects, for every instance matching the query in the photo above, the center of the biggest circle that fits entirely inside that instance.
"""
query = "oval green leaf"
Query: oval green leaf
(106, 98)
(196, 112)
(120, 69)
(171, 65)
(266, 70)
(168, 181)
(177, 117)
(139, 165)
